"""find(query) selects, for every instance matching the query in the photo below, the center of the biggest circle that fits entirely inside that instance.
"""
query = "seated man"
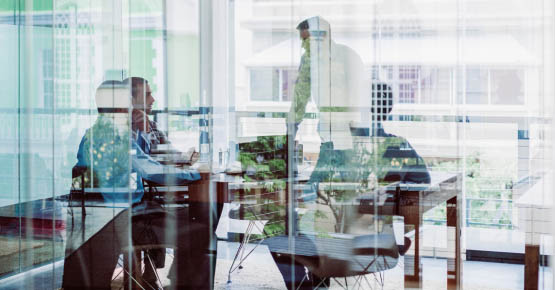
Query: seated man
(376, 159)
(111, 158)
(391, 158)
(145, 131)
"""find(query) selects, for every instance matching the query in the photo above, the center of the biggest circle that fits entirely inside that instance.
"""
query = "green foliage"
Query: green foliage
(274, 185)
(274, 229)
(106, 150)
(488, 193)
(277, 165)
(264, 143)
(265, 157)
(365, 166)
(271, 211)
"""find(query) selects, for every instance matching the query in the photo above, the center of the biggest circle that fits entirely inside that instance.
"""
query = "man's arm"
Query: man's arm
(151, 170)
(140, 121)
(159, 136)
(302, 91)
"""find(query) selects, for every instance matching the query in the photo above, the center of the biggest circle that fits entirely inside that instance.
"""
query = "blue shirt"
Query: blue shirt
(112, 158)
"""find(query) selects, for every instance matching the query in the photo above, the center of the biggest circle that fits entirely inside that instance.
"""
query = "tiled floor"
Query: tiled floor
(260, 272)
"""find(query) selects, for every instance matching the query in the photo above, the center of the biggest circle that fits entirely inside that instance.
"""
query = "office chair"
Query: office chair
(339, 259)
(248, 227)
(77, 189)
(140, 255)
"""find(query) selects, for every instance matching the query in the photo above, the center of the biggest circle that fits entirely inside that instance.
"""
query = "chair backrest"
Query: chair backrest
(360, 255)
(232, 223)
(114, 196)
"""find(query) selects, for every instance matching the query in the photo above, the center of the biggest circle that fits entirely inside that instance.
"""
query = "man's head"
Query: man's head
(314, 30)
(303, 30)
(141, 94)
(382, 101)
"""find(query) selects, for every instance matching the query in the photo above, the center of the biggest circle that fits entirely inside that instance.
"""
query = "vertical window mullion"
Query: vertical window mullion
(280, 84)
(489, 86)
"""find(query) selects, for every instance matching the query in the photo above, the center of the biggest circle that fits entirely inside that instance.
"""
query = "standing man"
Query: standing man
(329, 75)
(302, 85)
(314, 34)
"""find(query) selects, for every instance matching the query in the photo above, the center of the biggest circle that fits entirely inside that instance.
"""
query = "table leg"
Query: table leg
(531, 266)
(453, 245)
(413, 265)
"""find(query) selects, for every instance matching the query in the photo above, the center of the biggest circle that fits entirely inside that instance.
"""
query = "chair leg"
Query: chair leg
(302, 281)
(131, 270)
(240, 266)
(154, 268)
(367, 281)
(132, 274)
(322, 281)
(246, 240)
(339, 283)
(241, 251)
(237, 254)
(135, 281)
(358, 281)
(243, 258)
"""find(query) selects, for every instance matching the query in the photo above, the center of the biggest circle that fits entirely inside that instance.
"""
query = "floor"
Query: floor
(260, 272)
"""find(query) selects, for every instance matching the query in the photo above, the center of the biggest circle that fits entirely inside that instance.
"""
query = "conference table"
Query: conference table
(412, 201)
(203, 207)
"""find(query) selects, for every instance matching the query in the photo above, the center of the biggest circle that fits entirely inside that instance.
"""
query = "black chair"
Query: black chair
(77, 189)
(339, 258)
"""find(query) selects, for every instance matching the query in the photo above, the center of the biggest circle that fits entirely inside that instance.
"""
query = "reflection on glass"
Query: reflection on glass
(331, 236)
(112, 163)
(381, 144)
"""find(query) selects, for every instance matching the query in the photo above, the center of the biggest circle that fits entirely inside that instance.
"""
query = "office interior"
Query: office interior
(277, 144)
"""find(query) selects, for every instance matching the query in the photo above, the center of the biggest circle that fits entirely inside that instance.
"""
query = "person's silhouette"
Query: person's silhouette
(392, 158)
(110, 155)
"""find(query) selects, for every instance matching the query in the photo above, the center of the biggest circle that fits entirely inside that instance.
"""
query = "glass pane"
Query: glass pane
(249, 144)
(9, 165)
(287, 83)
(507, 87)
(265, 84)
(477, 86)
(436, 85)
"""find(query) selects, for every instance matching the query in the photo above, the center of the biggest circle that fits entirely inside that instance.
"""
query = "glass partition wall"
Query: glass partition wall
(424, 120)
(247, 144)
(93, 90)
